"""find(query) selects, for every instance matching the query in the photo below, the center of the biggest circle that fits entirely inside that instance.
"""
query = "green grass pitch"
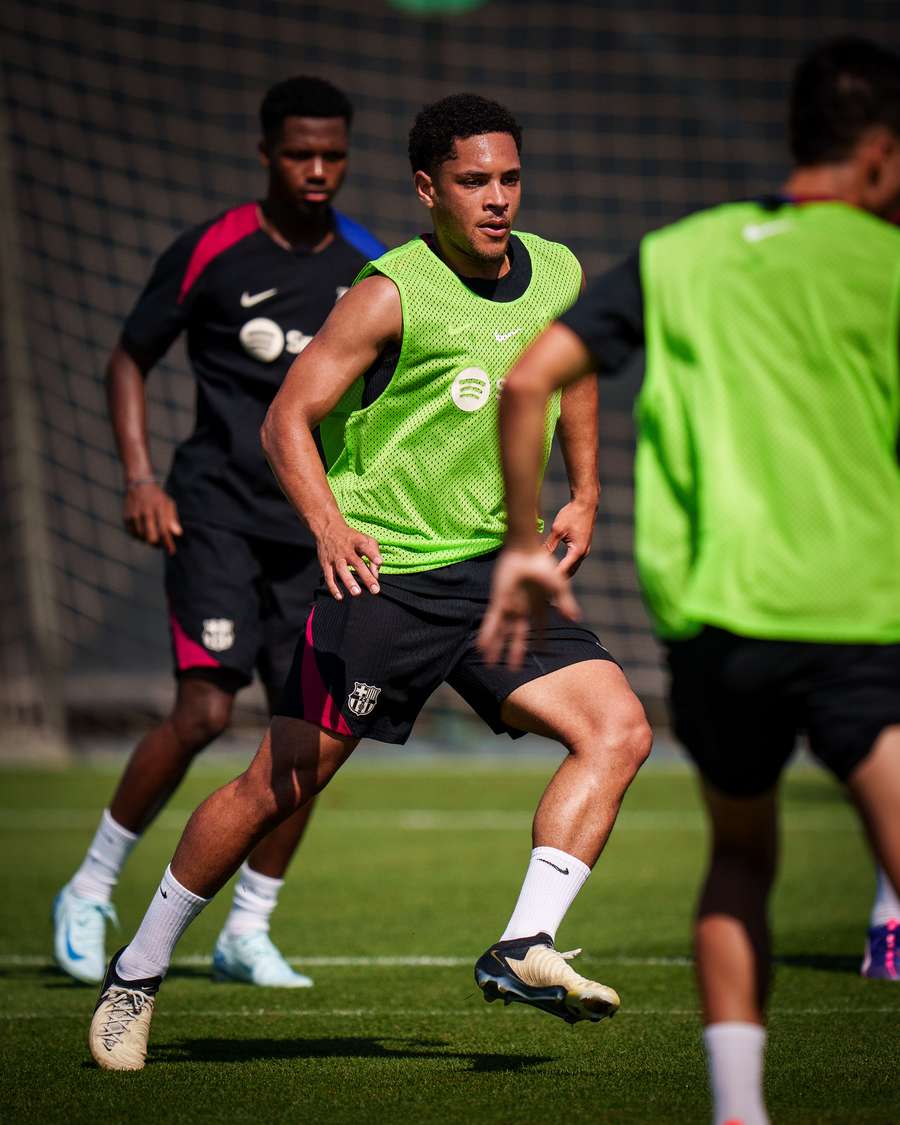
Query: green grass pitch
(409, 871)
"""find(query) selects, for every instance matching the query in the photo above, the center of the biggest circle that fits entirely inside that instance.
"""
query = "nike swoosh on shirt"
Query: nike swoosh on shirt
(501, 337)
(756, 232)
(248, 300)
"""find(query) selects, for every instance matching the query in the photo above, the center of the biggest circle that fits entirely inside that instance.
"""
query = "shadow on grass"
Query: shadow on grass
(823, 962)
(339, 1047)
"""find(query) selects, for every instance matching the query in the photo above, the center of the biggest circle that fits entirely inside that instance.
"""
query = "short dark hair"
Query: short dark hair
(437, 126)
(841, 89)
(302, 96)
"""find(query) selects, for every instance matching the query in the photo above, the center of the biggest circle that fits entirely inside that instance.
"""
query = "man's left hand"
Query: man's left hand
(524, 581)
(574, 526)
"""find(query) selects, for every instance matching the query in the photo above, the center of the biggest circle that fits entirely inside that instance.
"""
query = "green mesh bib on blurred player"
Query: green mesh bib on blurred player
(419, 469)
(768, 486)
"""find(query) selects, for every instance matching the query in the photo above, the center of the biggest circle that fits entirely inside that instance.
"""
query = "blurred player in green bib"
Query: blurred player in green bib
(767, 524)
(407, 524)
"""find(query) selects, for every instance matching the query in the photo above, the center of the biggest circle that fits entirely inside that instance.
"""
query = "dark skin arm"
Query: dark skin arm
(362, 324)
(578, 436)
(149, 513)
(578, 439)
(524, 577)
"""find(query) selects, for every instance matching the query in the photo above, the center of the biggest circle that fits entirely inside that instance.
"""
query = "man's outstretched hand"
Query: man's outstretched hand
(523, 583)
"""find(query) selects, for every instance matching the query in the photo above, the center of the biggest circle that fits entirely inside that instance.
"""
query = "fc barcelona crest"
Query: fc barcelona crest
(363, 698)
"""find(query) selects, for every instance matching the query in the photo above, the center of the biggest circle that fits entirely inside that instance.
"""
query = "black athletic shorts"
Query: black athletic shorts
(365, 666)
(739, 703)
(236, 604)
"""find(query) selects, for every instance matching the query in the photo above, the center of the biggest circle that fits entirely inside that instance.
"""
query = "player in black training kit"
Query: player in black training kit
(250, 287)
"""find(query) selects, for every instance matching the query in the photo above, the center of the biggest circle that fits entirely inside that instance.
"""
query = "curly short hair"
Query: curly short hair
(841, 89)
(301, 96)
(438, 126)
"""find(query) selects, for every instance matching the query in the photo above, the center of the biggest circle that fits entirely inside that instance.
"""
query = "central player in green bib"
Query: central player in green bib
(406, 374)
(456, 346)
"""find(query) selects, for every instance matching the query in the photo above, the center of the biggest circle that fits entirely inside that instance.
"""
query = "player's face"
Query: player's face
(307, 164)
(474, 198)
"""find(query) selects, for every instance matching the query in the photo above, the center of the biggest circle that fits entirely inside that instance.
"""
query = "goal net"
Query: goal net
(127, 123)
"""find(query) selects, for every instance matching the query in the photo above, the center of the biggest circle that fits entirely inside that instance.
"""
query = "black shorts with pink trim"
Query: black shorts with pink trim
(365, 666)
(236, 605)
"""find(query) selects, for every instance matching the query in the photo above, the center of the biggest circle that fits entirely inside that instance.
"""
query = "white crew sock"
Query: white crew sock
(169, 914)
(734, 1053)
(100, 869)
(255, 897)
(552, 881)
(887, 904)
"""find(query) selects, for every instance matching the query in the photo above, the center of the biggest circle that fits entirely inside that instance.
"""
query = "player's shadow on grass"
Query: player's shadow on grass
(338, 1047)
(823, 962)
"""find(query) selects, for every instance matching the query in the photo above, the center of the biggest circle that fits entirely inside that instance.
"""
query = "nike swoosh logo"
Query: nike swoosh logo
(163, 893)
(248, 300)
(561, 870)
(502, 337)
(71, 952)
(756, 232)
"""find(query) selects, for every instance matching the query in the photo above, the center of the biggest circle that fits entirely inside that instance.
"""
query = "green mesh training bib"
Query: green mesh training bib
(767, 481)
(419, 469)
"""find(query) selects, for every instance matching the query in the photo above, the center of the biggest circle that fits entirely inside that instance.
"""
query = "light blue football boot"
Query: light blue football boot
(253, 959)
(79, 932)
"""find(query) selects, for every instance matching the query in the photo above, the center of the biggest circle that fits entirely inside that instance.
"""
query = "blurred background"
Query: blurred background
(124, 124)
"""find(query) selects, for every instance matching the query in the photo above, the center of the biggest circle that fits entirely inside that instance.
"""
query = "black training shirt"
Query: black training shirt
(249, 306)
(609, 316)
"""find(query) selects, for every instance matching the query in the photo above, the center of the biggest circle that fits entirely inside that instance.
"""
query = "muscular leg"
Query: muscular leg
(294, 763)
(589, 708)
(273, 854)
(201, 713)
(731, 935)
(875, 788)
(731, 943)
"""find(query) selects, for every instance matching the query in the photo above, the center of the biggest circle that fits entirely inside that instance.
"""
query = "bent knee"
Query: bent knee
(202, 719)
(623, 739)
(633, 740)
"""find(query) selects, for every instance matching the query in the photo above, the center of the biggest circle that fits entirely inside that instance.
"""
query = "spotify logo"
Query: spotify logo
(263, 339)
(471, 389)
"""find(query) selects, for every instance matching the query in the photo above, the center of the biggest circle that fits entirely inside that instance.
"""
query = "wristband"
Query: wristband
(135, 482)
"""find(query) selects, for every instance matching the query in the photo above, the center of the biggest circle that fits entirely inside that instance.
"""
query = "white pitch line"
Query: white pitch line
(36, 961)
(412, 1013)
(426, 820)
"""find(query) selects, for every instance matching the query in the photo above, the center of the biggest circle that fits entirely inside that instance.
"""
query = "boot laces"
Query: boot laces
(124, 1006)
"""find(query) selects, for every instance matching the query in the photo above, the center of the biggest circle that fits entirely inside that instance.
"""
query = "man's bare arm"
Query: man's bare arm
(558, 357)
(365, 321)
(578, 435)
(149, 512)
(525, 576)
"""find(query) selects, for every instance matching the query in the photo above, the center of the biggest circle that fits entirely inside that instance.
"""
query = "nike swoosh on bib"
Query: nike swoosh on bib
(756, 232)
(248, 300)
(502, 337)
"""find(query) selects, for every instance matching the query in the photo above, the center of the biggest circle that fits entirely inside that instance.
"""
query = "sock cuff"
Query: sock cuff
(174, 887)
(734, 1031)
(561, 859)
(266, 886)
(113, 826)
